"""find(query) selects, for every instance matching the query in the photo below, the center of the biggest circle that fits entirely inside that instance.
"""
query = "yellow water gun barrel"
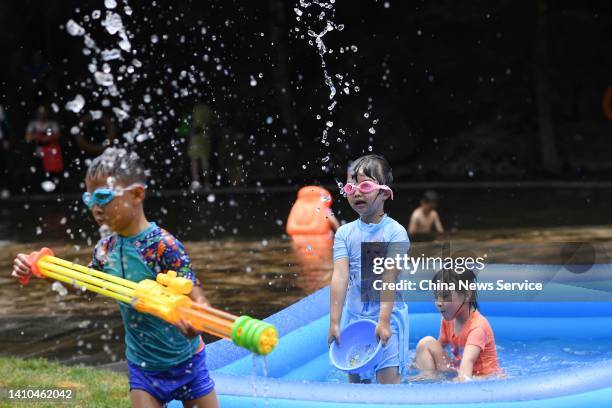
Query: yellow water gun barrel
(166, 298)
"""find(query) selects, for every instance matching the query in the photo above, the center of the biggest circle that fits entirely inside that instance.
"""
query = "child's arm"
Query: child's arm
(387, 301)
(174, 257)
(470, 355)
(339, 283)
(475, 343)
(438, 223)
(412, 226)
(398, 246)
(442, 338)
(197, 295)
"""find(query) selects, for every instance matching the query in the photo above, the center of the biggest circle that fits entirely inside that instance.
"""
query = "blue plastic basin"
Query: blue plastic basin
(359, 351)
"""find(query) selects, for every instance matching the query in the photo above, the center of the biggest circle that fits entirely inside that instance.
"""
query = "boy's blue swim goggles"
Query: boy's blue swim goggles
(104, 195)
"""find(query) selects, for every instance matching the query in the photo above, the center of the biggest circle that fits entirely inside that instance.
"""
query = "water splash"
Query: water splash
(319, 18)
(265, 384)
(113, 23)
(76, 104)
(59, 288)
(316, 36)
(339, 84)
(118, 71)
(322, 51)
(106, 65)
(74, 28)
(254, 375)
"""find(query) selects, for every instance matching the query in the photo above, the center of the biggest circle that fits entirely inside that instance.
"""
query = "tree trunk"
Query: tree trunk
(548, 146)
(280, 72)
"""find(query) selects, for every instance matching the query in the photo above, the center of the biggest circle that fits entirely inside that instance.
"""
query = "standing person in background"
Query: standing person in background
(200, 145)
(229, 142)
(425, 218)
(4, 152)
(3, 126)
(45, 133)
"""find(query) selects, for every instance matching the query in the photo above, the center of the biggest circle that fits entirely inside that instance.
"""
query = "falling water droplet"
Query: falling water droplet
(74, 28)
(76, 104)
(48, 186)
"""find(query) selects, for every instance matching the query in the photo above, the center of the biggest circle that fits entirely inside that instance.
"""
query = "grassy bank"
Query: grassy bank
(92, 387)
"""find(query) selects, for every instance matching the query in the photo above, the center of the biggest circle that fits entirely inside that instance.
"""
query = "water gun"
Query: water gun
(166, 298)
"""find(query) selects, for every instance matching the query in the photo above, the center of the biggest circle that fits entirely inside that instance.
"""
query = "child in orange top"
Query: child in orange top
(463, 328)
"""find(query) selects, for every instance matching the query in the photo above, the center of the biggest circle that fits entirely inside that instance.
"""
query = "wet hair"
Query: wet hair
(123, 166)
(430, 196)
(374, 166)
(450, 276)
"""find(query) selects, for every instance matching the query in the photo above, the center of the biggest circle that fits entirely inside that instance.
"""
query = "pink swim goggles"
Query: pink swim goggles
(365, 187)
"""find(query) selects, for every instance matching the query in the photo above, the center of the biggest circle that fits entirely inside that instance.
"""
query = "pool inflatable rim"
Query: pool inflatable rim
(533, 387)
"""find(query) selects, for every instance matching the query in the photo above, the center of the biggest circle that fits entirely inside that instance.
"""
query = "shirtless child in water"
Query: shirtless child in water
(425, 217)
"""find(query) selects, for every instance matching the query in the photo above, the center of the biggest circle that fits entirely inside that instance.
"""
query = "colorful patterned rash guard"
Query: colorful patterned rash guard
(151, 343)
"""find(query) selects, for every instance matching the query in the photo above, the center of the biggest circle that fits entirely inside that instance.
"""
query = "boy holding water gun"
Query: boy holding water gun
(165, 362)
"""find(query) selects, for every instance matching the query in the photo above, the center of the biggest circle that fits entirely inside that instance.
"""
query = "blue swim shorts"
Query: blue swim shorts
(187, 381)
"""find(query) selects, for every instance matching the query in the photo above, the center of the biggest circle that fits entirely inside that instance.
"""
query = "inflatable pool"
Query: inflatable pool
(555, 355)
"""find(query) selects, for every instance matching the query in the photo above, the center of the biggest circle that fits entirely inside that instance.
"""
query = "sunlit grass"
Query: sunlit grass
(92, 387)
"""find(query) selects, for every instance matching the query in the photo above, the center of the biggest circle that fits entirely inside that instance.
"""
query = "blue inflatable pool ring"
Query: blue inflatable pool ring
(555, 353)
(359, 351)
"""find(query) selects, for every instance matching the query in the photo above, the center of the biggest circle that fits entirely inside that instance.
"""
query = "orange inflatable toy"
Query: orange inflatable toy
(310, 213)
(312, 237)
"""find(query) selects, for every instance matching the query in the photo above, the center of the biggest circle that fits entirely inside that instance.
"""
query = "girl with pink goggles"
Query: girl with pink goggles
(365, 187)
